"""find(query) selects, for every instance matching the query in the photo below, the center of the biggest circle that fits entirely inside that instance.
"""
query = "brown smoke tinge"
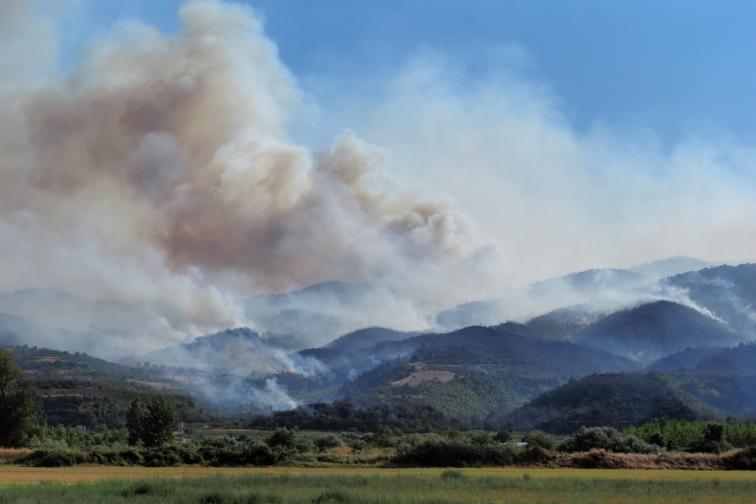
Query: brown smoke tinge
(160, 172)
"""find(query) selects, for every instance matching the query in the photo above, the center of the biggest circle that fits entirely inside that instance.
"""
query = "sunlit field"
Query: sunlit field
(368, 485)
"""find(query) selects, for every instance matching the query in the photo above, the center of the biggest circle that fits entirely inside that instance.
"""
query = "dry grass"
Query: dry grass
(422, 375)
(16, 474)
(601, 459)
(7, 454)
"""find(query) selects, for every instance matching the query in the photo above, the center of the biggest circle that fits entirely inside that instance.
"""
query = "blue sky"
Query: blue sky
(676, 66)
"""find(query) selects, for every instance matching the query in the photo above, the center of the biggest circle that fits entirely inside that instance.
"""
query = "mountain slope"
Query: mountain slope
(77, 389)
(563, 324)
(363, 339)
(732, 395)
(653, 330)
(591, 280)
(616, 400)
(238, 351)
(729, 292)
(682, 361)
(504, 347)
(315, 315)
(670, 266)
(737, 361)
(470, 373)
(572, 289)
(13, 330)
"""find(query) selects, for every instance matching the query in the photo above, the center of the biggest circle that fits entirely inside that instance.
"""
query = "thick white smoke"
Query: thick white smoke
(158, 180)
(556, 197)
(159, 174)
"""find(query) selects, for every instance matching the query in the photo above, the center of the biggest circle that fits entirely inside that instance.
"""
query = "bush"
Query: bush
(714, 440)
(165, 456)
(535, 455)
(538, 439)
(327, 442)
(332, 497)
(606, 438)
(143, 488)
(116, 455)
(282, 438)
(687, 435)
(56, 457)
(214, 498)
(231, 452)
(659, 439)
(708, 446)
(451, 474)
(383, 437)
(744, 460)
(455, 453)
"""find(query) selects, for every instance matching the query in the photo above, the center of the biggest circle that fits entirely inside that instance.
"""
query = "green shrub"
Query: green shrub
(116, 455)
(606, 438)
(383, 437)
(538, 439)
(138, 489)
(687, 435)
(452, 474)
(455, 453)
(232, 452)
(535, 455)
(709, 446)
(56, 457)
(332, 497)
(744, 460)
(165, 456)
(357, 444)
(327, 442)
(214, 498)
(282, 438)
(714, 440)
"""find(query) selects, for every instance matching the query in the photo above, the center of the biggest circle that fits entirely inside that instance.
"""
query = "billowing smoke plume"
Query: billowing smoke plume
(159, 174)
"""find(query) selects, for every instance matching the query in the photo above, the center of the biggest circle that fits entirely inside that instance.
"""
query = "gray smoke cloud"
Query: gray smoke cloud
(159, 173)
(159, 181)
(556, 197)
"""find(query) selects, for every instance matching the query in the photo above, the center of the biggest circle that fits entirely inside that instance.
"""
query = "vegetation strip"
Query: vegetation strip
(374, 486)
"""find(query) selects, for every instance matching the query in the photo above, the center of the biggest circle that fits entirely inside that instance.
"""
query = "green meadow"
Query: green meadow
(384, 486)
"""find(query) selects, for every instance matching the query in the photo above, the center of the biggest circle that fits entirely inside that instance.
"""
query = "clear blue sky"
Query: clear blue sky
(675, 66)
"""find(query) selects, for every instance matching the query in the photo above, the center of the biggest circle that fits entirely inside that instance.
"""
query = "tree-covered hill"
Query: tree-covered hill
(77, 389)
(617, 400)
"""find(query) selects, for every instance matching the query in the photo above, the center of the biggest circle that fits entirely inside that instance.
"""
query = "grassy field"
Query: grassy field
(368, 485)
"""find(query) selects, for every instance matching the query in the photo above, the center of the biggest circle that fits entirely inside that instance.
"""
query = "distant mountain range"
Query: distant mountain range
(653, 330)
(728, 292)
(599, 289)
(626, 346)
(670, 266)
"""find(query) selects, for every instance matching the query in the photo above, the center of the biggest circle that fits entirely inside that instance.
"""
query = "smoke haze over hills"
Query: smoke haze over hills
(159, 181)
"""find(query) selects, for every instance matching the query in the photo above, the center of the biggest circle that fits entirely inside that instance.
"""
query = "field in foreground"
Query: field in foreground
(369, 485)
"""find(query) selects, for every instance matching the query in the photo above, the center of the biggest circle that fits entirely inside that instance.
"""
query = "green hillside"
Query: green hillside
(616, 400)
